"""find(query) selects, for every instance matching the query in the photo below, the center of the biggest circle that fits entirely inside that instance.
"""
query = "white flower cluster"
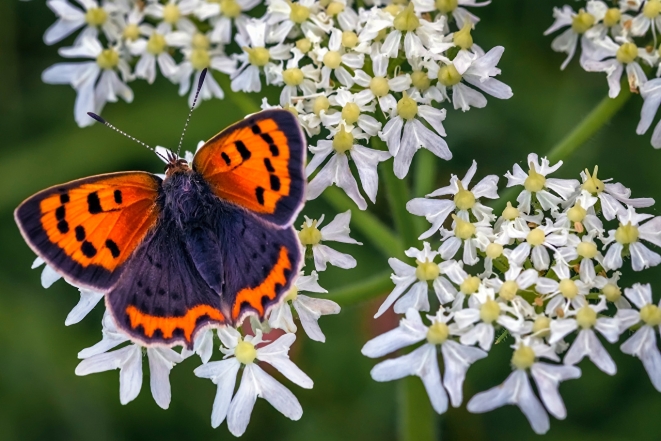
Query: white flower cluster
(617, 40)
(244, 346)
(351, 74)
(544, 273)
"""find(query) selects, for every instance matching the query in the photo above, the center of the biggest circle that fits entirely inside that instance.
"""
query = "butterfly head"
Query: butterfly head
(175, 165)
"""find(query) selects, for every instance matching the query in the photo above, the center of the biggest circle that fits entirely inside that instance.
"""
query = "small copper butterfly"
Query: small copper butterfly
(207, 245)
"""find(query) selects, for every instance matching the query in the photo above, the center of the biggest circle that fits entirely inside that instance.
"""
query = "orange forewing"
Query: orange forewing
(88, 228)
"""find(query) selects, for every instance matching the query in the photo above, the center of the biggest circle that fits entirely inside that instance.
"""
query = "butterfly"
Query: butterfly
(206, 246)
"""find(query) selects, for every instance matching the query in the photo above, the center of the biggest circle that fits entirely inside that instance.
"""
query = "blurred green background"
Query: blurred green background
(42, 398)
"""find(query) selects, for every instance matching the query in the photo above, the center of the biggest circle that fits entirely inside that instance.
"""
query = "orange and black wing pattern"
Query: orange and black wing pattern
(258, 164)
(88, 228)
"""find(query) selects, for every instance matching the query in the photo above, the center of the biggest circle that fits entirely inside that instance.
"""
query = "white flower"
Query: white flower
(579, 24)
(651, 93)
(535, 181)
(516, 280)
(648, 17)
(333, 59)
(537, 240)
(256, 57)
(629, 234)
(129, 361)
(473, 235)
(174, 13)
(202, 346)
(436, 211)
(254, 381)
(88, 300)
(475, 69)
(517, 389)
(459, 13)
(337, 171)
(295, 78)
(379, 85)
(586, 343)
(309, 309)
(354, 108)
(70, 19)
(580, 215)
(477, 321)
(284, 17)
(48, 274)
(421, 36)
(337, 231)
(406, 275)
(154, 49)
(643, 343)
(96, 82)
(564, 292)
(422, 362)
(222, 14)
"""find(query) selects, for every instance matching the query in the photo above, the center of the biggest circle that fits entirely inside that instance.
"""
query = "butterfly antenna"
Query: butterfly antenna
(197, 94)
(107, 124)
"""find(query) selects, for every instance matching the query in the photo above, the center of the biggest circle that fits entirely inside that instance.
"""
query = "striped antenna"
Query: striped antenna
(197, 93)
(107, 124)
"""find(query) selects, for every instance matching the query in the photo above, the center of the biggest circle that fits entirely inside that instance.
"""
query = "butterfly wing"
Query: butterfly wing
(258, 164)
(161, 297)
(87, 229)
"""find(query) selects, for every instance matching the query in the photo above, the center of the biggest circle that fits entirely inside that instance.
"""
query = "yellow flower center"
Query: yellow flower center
(586, 317)
(304, 45)
(258, 56)
(587, 250)
(427, 270)
(420, 80)
(612, 292)
(510, 212)
(156, 44)
(652, 8)
(536, 237)
(489, 311)
(494, 250)
(407, 108)
(463, 37)
(299, 13)
(651, 315)
(291, 108)
(393, 9)
(577, 213)
(470, 285)
(627, 53)
(464, 199)
(131, 32)
(626, 234)
(582, 22)
(406, 21)
(612, 17)
(200, 41)
(508, 290)
(568, 288)
(96, 16)
(334, 8)
(309, 234)
(462, 229)
(320, 104)
(171, 13)
(448, 75)
(446, 6)
(292, 294)
(438, 333)
(523, 357)
(332, 59)
(542, 326)
(349, 39)
(108, 59)
(534, 182)
(245, 352)
(350, 113)
(200, 59)
(592, 184)
(230, 8)
(292, 76)
(343, 140)
(379, 86)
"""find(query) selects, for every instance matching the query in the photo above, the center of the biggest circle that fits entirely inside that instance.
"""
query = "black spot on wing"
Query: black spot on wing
(94, 203)
(64, 198)
(112, 246)
(269, 166)
(275, 183)
(243, 150)
(80, 233)
(259, 193)
(226, 158)
(63, 226)
(255, 129)
(60, 213)
(88, 249)
(118, 196)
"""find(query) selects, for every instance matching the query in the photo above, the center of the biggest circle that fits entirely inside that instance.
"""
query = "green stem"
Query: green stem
(378, 234)
(362, 291)
(587, 128)
(416, 419)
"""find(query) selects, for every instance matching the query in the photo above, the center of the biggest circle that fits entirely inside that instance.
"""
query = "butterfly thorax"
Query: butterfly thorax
(187, 198)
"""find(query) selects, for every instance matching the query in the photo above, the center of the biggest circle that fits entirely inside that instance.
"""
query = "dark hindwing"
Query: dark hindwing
(260, 261)
(161, 297)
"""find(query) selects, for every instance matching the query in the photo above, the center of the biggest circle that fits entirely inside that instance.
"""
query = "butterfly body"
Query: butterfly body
(204, 247)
